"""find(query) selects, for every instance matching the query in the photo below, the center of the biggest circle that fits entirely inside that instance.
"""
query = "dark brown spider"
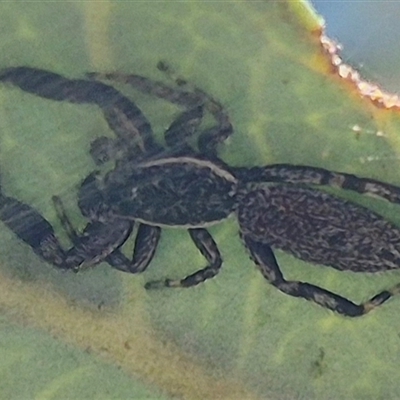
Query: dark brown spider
(181, 188)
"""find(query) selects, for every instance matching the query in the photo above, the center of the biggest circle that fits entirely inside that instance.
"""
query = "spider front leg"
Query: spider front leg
(208, 248)
(93, 246)
(182, 128)
(34, 230)
(104, 149)
(115, 259)
(185, 126)
(122, 115)
(263, 256)
(184, 95)
(146, 242)
(210, 138)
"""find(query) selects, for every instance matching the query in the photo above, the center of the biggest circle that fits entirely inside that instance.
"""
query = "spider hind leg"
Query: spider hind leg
(264, 257)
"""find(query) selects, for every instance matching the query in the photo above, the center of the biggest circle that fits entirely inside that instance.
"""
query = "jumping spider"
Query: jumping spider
(183, 188)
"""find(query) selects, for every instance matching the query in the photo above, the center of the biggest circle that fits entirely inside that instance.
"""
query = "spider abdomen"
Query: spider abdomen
(320, 228)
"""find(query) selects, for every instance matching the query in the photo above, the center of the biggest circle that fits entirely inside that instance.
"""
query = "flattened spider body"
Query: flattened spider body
(320, 228)
(180, 188)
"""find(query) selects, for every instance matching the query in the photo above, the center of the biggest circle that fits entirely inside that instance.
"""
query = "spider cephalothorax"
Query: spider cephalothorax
(179, 187)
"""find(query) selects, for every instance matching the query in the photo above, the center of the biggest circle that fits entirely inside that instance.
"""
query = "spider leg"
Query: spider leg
(116, 259)
(104, 148)
(93, 246)
(183, 98)
(210, 138)
(187, 124)
(99, 241)
(34, 230)
(145, 244)
(183, 127)
(64, 220)
(190, 98)
(300, 174)
(208, 248)
(122, 115)
(263, 256)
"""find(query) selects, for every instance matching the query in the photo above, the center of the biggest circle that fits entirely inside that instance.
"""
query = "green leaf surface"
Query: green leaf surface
(35, 365)
(235, 336)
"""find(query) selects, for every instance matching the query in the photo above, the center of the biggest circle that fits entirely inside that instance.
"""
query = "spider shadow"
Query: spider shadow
(96, 287)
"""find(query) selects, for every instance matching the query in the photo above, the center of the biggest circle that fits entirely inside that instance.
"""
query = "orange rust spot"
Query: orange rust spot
(317, 32)
(372, 91)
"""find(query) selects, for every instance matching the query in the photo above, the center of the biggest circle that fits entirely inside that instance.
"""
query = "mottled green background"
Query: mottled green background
(99, 334)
